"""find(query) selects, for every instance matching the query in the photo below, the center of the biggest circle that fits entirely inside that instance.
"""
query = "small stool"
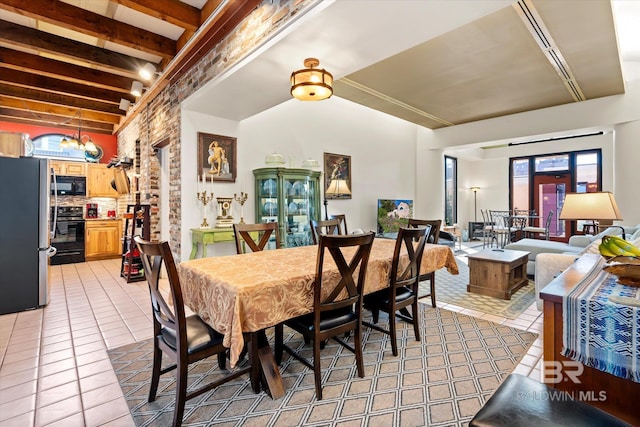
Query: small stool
(522, 401)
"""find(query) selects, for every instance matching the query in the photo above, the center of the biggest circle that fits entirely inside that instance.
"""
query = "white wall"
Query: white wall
(392, 158)
(382, 150)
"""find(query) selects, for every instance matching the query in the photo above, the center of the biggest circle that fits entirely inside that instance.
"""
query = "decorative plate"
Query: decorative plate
(269, 186)
(270, 208)
(94, 157)
(298, 188)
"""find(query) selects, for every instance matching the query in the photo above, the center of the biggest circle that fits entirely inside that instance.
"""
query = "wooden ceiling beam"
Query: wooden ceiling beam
(40, 119)
(207, 9)
(36, 41)
(18, 92)
(56, 110)
(22, 61)
(81, 20)
(53, 85)
(172, 11)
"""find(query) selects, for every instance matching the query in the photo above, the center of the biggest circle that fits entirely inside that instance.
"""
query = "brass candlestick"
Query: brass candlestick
(241, 199)
(205, 198)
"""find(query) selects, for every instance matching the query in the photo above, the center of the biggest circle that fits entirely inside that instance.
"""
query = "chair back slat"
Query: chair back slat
(244, 239)
(434, 232)
(328, 227)
(352, 272)
(343, 223)
(406, 243)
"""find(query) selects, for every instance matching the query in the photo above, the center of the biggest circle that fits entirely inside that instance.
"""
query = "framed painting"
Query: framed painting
(337, 176)
(217, 159)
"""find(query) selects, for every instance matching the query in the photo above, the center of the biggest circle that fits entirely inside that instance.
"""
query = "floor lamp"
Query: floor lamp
(475, 203)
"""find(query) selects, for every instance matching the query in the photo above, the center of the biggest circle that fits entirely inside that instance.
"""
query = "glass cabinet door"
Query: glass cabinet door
(267, 198)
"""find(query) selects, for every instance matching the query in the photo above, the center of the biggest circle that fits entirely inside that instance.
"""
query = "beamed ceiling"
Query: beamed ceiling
(433, 63)
(62, 62)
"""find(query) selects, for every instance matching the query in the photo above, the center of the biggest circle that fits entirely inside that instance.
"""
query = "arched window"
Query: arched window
(48, 145)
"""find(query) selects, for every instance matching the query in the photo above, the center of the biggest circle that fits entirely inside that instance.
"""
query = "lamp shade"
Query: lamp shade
(595, 206)
(338, 187)
(311, 84)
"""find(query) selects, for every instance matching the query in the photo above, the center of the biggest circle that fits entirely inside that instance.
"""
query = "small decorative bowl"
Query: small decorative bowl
(626, 269)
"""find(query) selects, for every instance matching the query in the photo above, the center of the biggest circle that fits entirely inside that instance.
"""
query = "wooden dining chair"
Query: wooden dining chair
(183, 339)
(328, 227)
(432, 237)
(403, 286)
(244, 236)
(343, 223)
(336, 311)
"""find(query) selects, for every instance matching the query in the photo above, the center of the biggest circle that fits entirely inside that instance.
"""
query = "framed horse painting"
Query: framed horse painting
(217, 158)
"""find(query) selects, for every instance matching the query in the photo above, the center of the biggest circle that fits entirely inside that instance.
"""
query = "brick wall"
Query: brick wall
(161, 118)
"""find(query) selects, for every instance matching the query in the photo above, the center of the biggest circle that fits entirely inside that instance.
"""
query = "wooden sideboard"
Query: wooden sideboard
(612, 394)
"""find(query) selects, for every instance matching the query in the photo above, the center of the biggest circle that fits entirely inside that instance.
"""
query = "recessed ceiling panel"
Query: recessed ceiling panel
(490, 67)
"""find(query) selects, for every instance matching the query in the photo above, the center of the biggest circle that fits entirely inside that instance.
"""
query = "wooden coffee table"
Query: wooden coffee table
(497, 272)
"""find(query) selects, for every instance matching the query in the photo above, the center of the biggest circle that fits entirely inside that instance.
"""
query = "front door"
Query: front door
(548, 195)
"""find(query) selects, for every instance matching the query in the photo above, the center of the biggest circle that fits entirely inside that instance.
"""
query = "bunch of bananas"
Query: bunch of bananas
(615, 246)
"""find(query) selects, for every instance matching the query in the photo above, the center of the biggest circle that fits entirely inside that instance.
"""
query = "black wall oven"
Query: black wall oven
(69, 235)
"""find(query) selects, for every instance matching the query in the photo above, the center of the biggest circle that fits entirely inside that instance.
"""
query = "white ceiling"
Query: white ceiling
(353, 37)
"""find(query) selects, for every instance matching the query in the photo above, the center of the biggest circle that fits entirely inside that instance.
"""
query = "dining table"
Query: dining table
(247, 293)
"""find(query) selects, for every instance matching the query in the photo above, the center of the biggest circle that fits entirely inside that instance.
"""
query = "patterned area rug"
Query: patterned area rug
(452, 289)
(442, 380)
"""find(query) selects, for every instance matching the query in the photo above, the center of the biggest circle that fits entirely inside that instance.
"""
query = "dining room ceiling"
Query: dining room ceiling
(434, 63)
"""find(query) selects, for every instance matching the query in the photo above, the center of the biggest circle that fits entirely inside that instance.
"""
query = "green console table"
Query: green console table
(205, 236)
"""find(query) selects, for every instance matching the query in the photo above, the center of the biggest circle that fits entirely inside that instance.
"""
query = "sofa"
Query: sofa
(576, 245)
(549, 265)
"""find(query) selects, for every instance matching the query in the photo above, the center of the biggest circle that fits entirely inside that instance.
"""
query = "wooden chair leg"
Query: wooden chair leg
(432, 283)
(416, 318)
(222, 360)
(181, 392)
(392, 332)
(155, 374)
(316, 368)
(358, 347)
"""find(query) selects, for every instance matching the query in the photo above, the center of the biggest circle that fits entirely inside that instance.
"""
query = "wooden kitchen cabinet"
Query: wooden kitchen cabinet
(102, 239)
(61, 167)
(99, 179)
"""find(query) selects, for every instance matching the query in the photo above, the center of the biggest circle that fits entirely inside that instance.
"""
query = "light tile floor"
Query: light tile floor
(54, 367)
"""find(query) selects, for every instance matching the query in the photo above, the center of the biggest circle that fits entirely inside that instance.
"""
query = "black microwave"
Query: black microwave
(69, 185)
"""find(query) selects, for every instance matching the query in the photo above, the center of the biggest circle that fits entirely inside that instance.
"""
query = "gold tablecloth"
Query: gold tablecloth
(250, 292)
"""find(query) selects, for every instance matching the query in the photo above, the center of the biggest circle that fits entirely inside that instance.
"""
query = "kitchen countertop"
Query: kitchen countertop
(104, 219)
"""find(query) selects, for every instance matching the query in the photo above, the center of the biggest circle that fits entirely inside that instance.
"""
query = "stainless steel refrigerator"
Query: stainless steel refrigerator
(24, 233)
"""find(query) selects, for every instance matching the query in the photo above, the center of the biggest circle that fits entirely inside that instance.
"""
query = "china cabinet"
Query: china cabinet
(292, 198)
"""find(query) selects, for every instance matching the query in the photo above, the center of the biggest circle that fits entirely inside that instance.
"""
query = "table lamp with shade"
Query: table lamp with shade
(596, 206)
(337, 188)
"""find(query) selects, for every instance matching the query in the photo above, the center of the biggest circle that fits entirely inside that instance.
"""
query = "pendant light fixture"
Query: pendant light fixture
(79, 142)
(310, 83)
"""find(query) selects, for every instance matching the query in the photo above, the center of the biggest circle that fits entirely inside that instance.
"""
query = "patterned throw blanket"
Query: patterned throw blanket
(602, 325)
